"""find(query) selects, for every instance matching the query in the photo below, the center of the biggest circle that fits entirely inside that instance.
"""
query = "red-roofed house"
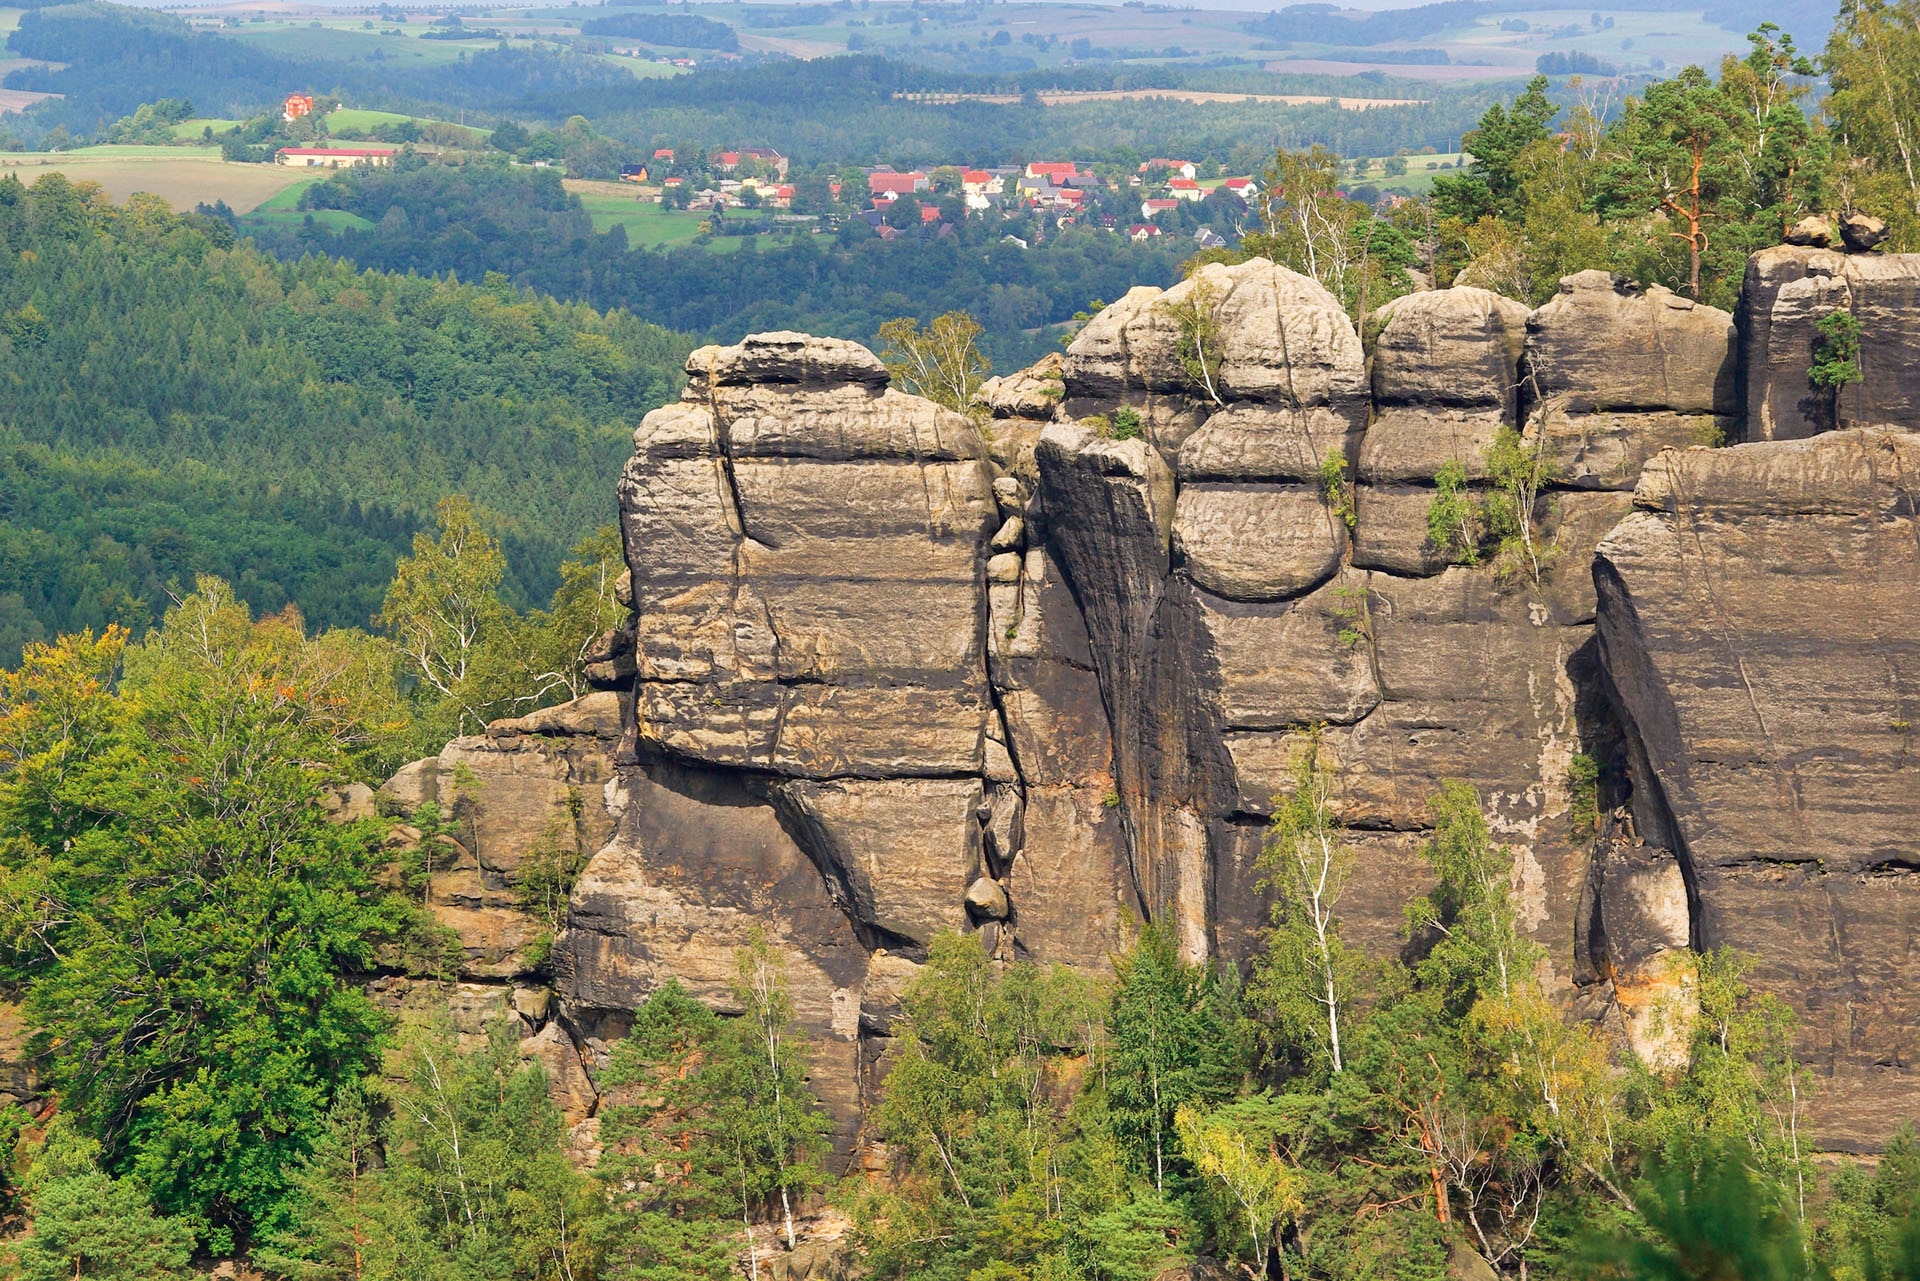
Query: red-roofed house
(1051, 169)
(1182, 168)
(1245, 188)
(1148, 208)
(929, 213)
(1144, 231)
(896, 184)
(664, 153)
(1185, 189)
(298, 104)
(331, 157)
(727, 161)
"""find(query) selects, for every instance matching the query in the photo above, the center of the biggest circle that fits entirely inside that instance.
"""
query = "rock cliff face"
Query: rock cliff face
(891, 672)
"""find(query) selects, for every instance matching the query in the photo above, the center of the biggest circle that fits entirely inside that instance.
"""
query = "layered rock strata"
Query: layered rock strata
(1760, 624)
(891, 671)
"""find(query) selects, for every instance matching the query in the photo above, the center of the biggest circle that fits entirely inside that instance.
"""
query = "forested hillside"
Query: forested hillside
(172, 403)
(851, 110)
(477, 218)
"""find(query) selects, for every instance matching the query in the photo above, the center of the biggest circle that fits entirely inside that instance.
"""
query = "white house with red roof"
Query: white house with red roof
(1186, 189)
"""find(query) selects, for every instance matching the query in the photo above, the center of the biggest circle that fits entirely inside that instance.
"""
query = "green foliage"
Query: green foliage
(1336, 487)
(1307, 976)
(1500, 523)
(1492, 185)
(1704, 1219)
(158, 375)
(1836, 352)
(184, 917)
(1196, 319)
(942, 362)
(1006, 1160)
(1172, 1045)
(1583, 793)
(475, 218)
(1519, 468)
(152, 123)
(1126, 423)
(710, 1126)
(475, 659)
(1454, 516)
(88, 1224)
(460, 1175)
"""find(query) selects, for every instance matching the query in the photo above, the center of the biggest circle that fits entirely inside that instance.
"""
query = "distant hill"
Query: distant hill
(172, 403)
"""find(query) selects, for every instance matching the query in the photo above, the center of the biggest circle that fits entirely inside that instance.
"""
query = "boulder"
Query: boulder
(1247, 442)
(1283, 340)
(1446, 348)
(1860, 232)
(1786, 293)
(1266, 542)
(785, 358)
(1812, 231)
(1602, 343)
(1034, 392)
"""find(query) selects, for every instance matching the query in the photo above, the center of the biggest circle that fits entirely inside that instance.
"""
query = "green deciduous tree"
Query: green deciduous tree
(185, 917)
(942, 362)
(1173, 1044)
(1872, 62)
(1307, 975)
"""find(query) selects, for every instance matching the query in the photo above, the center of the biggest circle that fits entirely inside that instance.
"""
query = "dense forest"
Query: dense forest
(173, 404)
(841, 110)
(851, 110)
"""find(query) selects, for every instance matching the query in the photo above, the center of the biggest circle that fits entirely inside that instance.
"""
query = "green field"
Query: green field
(337, 42)
(191, 130)
(646, 223)
(283, 210)
(1418, 180)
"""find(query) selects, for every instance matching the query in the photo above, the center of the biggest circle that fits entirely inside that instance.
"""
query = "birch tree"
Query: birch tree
(1308, 974)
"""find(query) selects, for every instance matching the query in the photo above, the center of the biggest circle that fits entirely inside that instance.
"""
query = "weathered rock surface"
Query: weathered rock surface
(886, 676)
(1787, 292)
(1760, 622)
(1604, 344)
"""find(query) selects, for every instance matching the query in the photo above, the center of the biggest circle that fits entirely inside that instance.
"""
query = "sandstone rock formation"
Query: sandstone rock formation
(1786, 293)
(891, 671)
(1760, 626)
